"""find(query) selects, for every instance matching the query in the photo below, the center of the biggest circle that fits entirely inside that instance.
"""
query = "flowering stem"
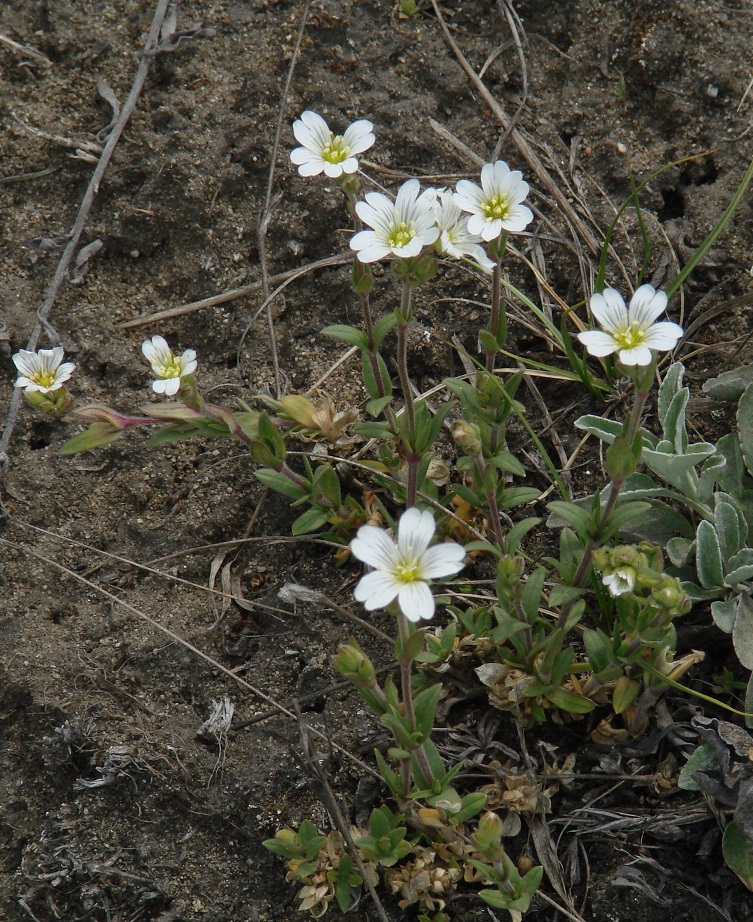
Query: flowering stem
(498, 320)
(485, 470)
(630, 431)
(413, 460)
(405, 677)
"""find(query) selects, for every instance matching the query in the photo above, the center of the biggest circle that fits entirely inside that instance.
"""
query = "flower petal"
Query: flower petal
(646, 305)
(597, 342)
(608, 309)
(443, 560)
(376, 590)
(374, 547)
(638, 355)
(416, 601)
(518, 218)
(663, 336)
(415, 531)
(359, 136)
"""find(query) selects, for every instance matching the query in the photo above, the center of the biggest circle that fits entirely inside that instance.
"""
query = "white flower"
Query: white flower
(496, 206)
(454, 237)
(167, 368)
(631, 332)
(402, 570)
(401, 228)
(620, 581)
(324, 151)
(41, 371)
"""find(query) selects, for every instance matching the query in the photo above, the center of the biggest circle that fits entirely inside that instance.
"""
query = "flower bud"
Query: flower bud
(353, 663)
(467, 436)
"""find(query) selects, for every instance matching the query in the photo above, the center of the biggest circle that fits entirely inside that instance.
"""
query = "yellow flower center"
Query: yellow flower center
(44, 378)
(629, 336)
(496, 207)
(170, 368)
(400, 235)
(335, 150)
(408, 570)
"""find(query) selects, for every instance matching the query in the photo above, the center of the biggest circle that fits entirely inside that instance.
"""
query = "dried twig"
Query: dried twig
(271, 200)
(232, 294)
(78, 227)
(519, 141)
(30, 52)
(116, 600)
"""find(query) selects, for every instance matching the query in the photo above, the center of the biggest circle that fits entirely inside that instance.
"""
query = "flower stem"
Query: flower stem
(406, 664)
(412, 459)
(498, 320)
(630, 431)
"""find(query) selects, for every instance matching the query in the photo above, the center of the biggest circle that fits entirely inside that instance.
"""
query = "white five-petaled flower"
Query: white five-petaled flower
(497, 205)
(454, 237)
(402, 570)
(400, 228)
(631, 332)
(167, 368)
(323, 151)
(620, 581)
(41, 371)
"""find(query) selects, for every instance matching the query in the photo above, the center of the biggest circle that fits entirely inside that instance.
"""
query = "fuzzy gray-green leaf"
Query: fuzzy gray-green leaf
(742, 632)
(708, 557)
(727, 524)
(745, 427)
(739, 567)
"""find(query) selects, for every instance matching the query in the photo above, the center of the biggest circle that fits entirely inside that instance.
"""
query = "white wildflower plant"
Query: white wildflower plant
(455, 239)
(631, 332)
(403, 569)
(401, 228)
(168, 369)
(43, 371)
(323, 151)
(497, 205)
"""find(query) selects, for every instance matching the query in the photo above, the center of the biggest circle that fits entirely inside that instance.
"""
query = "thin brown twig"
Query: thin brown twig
(524, 148)
(271, 200)
(257, 692)
(232, 294)
(78, 227)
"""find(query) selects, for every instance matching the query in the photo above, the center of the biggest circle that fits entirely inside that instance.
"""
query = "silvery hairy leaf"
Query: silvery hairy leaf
(708, 557)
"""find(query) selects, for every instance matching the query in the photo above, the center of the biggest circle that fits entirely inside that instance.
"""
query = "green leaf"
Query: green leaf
(97, 435)
(510, 497)
(670, 386)
(701, 760)
(506, 462)
(605, 429)
(279, 483)
(310, 520)
(731, 478)
(531, 598)
(516, 534)
(708, 557)
(745, 427)
(570, 701)
(738, 853)
(678, 469)
(382, 328)
(572, 514)
(739, 568)
(375, 407)
(624, 694)
(347, 334)
(724, 614)
(679, 550)
(374, 430)
(727, 525)
(742, 633)
(674, 421)
(425, 709)
(729, 385)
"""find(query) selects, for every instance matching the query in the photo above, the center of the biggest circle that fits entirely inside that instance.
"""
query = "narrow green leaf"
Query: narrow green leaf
(310, 520)
(347, 334)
